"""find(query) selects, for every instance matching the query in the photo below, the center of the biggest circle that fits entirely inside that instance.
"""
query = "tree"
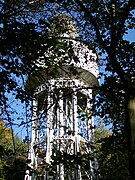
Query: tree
(5, 142)
(114, 46)
(12, 164)
(111, 154)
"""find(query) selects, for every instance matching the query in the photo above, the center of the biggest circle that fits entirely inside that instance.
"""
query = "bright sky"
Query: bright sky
(130, 36)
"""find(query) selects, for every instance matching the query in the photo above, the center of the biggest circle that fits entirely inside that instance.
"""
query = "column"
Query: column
(90, 128)
(31, 154)
(49, 133)
(90, 123)
(75, 123)
(34, 134)
(61, 132)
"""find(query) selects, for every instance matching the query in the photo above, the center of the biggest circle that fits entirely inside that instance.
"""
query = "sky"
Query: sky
(130, 36)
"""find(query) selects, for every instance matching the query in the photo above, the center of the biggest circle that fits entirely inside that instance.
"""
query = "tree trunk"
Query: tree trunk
(131, 133)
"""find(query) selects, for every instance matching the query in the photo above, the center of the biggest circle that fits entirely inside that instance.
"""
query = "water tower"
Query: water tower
(61, 127)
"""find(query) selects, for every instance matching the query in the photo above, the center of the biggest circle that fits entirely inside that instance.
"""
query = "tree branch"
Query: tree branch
(94, 23)
(125, 15)
(111, 50)
(115, 37)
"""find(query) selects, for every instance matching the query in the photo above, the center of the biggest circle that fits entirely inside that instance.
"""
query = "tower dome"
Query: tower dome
(62, 25)
(71, 57)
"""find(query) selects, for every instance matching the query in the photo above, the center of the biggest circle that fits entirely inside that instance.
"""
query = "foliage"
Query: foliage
(5, 135)
(114, 159)
(12, 164)
(111, 154)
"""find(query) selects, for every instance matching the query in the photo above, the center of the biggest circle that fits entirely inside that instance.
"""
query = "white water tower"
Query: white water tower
(60, 125)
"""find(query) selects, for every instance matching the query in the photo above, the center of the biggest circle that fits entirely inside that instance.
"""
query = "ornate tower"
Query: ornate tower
(61, 123)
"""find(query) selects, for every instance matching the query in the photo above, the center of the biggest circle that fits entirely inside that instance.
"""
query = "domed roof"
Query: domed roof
(75, 56)
(62, 25)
